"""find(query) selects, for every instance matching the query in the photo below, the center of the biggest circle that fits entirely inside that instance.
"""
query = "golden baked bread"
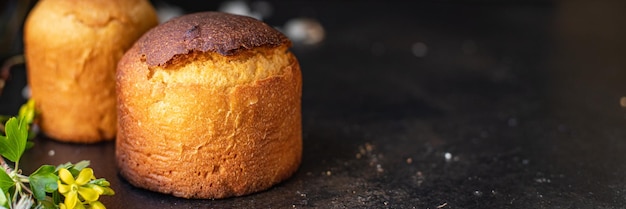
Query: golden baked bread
(209, 107)
(72, 48)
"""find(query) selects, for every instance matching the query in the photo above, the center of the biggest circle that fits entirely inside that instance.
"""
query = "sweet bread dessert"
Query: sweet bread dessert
(209, 106)
(72, 48)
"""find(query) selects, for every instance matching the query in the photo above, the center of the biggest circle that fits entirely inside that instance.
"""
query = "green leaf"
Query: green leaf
(4, 202)
(67, 165)
(3, 147)
(80, 165)
(101, 182)
(6, 182)
(29, 144)
(56, 197)
(43, 180)
(15, 141)
(47, 204)
(31, 133)
(44, 169)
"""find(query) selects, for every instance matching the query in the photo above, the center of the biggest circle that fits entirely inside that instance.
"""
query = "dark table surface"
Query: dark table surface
(444, 104)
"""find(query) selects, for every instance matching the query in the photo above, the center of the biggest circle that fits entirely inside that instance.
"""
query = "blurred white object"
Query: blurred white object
(239, 8)
(263, 8)
(166, 11)
(304, 31)
(447, 156)
(26, 92)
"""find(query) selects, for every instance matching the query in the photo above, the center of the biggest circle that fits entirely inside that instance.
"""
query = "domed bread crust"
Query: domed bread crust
(217, 119)
(207, 32)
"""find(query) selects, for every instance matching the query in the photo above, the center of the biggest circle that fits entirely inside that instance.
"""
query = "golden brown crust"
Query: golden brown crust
(211, 126)
(226, 34)
(72, 48)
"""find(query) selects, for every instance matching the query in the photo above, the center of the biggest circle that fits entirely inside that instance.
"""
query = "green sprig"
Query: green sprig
(43, 185)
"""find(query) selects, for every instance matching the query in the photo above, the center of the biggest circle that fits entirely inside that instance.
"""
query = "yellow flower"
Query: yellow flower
(92, 205)
(74, 187)
(96, 205)
(78, 206)
(101, 190)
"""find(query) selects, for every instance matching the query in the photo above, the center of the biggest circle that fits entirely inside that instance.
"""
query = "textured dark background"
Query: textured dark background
(522, 96)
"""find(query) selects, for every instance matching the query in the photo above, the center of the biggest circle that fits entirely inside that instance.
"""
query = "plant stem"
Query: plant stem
(6, 67)
(23, 178)
(17, 190)
(19, 183)
(26, 189)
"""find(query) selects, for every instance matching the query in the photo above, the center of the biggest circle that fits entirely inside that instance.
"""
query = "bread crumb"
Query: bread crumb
(478, 193)
(419, 178)
(542, 180)
(409, 160)
(447, 156)
(369, 147)
(622, 101)
(379, 168)
(328, 173)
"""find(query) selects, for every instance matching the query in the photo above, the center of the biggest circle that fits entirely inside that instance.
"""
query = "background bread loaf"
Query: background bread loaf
(72, 48)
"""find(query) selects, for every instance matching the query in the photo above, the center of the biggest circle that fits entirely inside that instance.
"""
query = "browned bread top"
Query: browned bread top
(223, 33)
